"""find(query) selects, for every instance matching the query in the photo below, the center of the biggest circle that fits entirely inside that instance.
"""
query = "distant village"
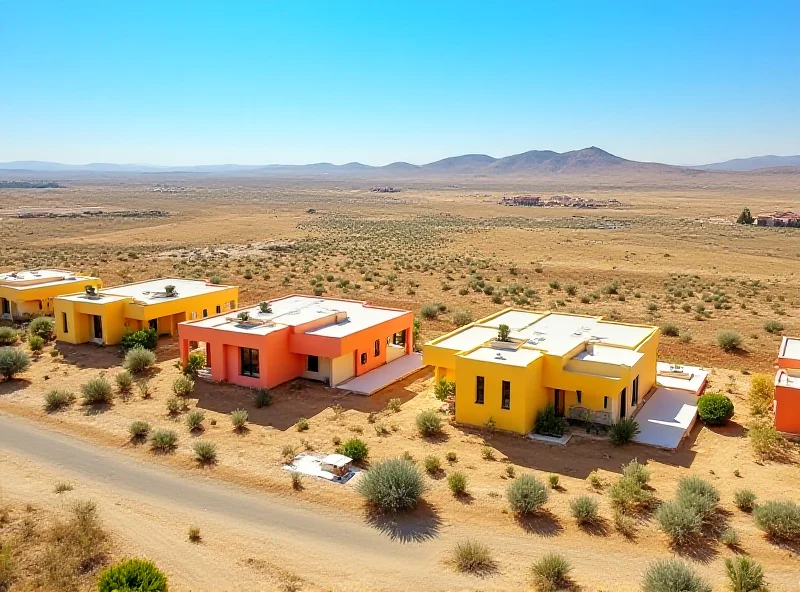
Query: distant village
(779, 219)
(560, 201)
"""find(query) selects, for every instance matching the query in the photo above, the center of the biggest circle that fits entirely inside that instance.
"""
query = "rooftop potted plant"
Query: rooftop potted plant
(503, 341)
(265, 307)
(91, 291)
(170, 290)
(243, 316)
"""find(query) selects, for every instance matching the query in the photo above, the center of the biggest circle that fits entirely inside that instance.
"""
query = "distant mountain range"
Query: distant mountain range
(590, 160)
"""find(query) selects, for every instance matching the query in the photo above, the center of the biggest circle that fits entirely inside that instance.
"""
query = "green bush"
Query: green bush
(636, 471)
(355, 448)
(461, 318)
(745, 500)
(444, 389)
(205, 451)
(680, 521)
(139, 430)
(146, 338)
(432, 464)
(471, 556)
(745, 574)
(429, 423)
(628, 494)
(392, 485)
(714, 408)
(138, 359)
(13, 361)
(457, 482)
(174, 405)
(780, 520)
(57, 399)
(773, 327)
(623, 431)
(194, 420)
(584, 509)
(670, 330)
(429, 312)
(672, 575)
(124, 381)
(729, 341)
(35, 343)
(164, 440)
(44, 327)
(548, 424)
(8, 336)
(196, 361)
(183, 386)
(551, 573)
(766, 441)
(97, 390)
(132, 575)
(239, 419)
(262, 398)
(526, 495)
(699, 495)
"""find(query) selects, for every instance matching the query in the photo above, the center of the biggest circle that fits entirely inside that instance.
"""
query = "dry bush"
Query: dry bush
(74, 546)
(760, 396)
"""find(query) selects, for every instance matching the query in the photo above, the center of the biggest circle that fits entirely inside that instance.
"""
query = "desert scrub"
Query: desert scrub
(714, 408)
(42, 327)
(744, 574)
(124, 381)
(140, 575)
(139, 359)
(670, 330)
(301, 425)
(551, 573)
(526, 495)
(470, 556)
(194, 362)
(355, 448)
(699, 495)
(780, 520)
(745, 500)
(584, 510)
(35, 343)
(767, 442)
(623, 431)
(637, 472)
(773, 327)
(8, 336)
(628, 495)
(194, 420)
(429, 423)
(392, 485)
(13, 361)
(239, 419)
(58, 399)
(457, 482)
(205, 452)
(672, 575)
(432, 464)
(163, 440)
(444, 389)
(174, 405)
(393, 405)
(183, 386)
(761, 393)
(139, 430)
(96, 391)
(261, 398)
(729, 341)
(461, 318)
(429, 312)
(552, 479)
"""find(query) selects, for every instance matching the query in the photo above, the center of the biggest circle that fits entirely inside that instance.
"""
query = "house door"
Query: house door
(98, 326)
(6, 306)
(623, 403)
(559, 403)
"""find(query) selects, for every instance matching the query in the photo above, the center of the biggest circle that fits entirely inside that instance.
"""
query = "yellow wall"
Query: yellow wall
(37, 300)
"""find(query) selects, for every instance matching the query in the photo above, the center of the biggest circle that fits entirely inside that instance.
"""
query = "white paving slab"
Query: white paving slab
(383, 376)
(666, 417)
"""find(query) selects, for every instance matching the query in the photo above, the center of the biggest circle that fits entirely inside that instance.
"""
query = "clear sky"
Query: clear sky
(165, 82)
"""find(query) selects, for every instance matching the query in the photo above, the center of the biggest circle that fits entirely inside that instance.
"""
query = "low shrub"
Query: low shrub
(526, 495)
(239, 419)
(133, 575)
(628, 494)
(584, 509)
(553, 480)
(745, 500)
(623, 431)
(195, 361)
(744, 574)
(432, 464)
(729, 537)
(146, 338)
(183, 386)
(548, 423)
(457, 482)
(773, 327)
(355, 448)
(392, 485)
(35, 343)
(42, 327)
(96, 391)
(163, 440)
(139, 359)
(444, 389)
(699, 495)
(301, 425)
(429, 423)
(174, 405)
(58, 399)
(670, 330)
(672, 575)
(429, 312)
(471, 556)
(394, 405)
(13, 361)
(714, 408)
(139, 430)
(194, 420)
(551, 573)
(194, 534)
(679, 521)
(461, 318)
(760, 396)
(767, 442)
(261, 398)
(637, 472)
(451, 457)
(780, 520)
(124, 381)
(205, 451)
(8, 336)
(729, 341)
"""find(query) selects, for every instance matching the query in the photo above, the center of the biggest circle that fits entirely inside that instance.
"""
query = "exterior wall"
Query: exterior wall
(393, 352)
(185, 306)
(79, 320)
(324, 374)
(527, 394)
(343, 368)
(36, 300)
(787, 409)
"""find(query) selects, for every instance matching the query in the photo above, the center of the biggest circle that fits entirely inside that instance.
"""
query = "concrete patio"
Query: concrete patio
(383, 376)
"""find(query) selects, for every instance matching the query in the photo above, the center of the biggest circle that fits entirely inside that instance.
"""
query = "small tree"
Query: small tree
(444, 389)
(502, 332)
(43, 327)
(745, 217)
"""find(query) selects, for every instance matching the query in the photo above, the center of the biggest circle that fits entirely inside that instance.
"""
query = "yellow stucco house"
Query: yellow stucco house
(585, 366)
(104, 316)
(28, 293)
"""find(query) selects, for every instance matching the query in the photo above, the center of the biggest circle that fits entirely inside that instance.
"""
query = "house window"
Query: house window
(40, 305)
(363, 358)
(219, 309)
(249, 362)
(635, 391)
(605, 402)
(64, 322)
(377, 347)
(232, 304)
(479, 390)
(579, 394)
(312, 364)
(153, 324)
(194, 315)
(506, 401)
(399, 338)
(205, 312)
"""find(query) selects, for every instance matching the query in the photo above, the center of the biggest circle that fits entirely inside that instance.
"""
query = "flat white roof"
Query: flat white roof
(521, 357)
(469, 338)
(151, 291)
(609, 355)
(686, 378)
(36, 278)
(789, 378)
(298, 310)
(790, 348)
(515, 319)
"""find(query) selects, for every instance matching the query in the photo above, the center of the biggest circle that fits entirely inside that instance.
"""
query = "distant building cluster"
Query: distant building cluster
(161, 189)
(560, 201)
(778, 219)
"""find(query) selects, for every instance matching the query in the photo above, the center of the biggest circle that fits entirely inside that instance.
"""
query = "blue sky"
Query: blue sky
(296, 82)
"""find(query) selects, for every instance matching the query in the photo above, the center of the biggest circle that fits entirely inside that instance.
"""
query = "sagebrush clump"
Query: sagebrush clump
(393, 485)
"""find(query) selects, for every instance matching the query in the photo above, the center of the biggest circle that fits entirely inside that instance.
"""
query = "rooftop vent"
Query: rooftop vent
(499, 356)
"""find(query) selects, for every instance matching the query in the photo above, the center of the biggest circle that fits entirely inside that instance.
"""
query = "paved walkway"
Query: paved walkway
(383, 376)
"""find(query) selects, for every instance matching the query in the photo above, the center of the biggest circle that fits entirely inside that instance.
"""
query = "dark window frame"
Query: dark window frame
(579, 395)
(505, 396)
(219, 308)
(480, 390)
(377, 348)
(605, 402)
(247, 364)
(635, 392)
(64, 324)
(312, 367)
(363, 358)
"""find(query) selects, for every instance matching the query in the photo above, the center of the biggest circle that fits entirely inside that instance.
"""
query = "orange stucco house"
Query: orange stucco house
(325, 339)
(787, 387)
